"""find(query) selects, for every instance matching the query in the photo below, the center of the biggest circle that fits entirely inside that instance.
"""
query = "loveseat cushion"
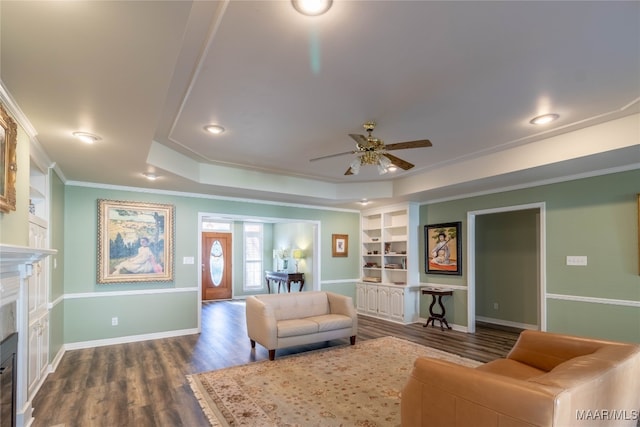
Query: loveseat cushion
(296, 327)
(297, 306)
(331, 322)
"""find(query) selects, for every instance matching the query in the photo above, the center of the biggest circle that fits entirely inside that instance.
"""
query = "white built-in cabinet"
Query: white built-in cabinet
(389, 286)
(38, 282)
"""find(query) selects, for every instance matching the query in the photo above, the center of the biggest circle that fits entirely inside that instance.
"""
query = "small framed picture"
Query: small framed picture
(340, 245)
(443, 248)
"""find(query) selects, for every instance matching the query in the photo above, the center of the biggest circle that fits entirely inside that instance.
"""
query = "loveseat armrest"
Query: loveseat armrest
(341, 304)
(441, 393)
(261, 323)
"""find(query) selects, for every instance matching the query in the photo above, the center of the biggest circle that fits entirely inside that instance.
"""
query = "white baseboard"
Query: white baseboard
(56, 360)
(506, 323)
(129, 339)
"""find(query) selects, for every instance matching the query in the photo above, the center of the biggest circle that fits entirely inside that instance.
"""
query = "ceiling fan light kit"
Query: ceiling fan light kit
(372, 151)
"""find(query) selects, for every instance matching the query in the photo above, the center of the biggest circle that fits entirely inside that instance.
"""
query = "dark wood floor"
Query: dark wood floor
(143, 383)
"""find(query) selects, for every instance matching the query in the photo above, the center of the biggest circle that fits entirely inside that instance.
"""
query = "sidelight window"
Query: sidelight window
(253, 256)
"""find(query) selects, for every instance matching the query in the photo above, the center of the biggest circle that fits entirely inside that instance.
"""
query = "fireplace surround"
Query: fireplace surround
(16, 266)
(8, 356)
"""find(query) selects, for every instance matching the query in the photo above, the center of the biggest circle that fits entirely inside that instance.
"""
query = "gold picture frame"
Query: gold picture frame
(135, 242)
(340, 245)
(8, 162)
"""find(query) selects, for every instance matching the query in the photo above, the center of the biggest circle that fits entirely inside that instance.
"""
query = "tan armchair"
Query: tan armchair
(546, 380)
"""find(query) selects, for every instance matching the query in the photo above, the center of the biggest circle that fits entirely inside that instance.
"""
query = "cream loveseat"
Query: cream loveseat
(546, 380)
(284, 320)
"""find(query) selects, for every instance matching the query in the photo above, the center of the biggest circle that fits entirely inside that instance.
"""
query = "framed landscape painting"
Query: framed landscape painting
(443, 248)
(135, 242)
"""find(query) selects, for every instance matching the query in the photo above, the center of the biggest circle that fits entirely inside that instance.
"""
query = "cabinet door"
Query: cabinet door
(361, 298)
(43, 350)
(383, 301)
(41, 285)
(372, 299)
(32, 284)
(33, 372)
(396, 304)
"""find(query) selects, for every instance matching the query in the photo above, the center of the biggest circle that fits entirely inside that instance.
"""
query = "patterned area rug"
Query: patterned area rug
(345, 386)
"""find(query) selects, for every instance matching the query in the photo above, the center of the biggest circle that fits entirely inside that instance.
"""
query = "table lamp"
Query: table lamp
(297, 254)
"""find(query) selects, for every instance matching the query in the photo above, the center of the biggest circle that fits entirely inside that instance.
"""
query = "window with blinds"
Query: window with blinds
(253, 253)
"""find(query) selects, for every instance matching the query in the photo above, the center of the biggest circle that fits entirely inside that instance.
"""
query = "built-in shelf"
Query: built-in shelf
(390, 276)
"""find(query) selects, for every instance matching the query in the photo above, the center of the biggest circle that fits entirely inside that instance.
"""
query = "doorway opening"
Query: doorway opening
(540, 268)
(280, 234)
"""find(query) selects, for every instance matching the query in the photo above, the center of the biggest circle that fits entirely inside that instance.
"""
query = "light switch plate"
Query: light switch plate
(187, 260)
(576, 260)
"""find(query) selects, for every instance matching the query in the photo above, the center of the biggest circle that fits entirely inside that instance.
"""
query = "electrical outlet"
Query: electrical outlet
(114, 321)
(576, 260)
(496, 306)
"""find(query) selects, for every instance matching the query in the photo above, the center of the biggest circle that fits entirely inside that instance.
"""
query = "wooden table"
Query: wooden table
(440, 317)
(283, 277)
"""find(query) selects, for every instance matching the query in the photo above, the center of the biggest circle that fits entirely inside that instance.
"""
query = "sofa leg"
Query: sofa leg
(253, 344)
(272, 354)
(352, 339)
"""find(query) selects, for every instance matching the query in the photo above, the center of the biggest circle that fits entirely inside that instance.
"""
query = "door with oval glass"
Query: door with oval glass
(216, 266)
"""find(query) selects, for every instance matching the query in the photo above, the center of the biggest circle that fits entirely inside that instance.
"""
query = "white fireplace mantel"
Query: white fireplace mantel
(13, 259)
(16, 266)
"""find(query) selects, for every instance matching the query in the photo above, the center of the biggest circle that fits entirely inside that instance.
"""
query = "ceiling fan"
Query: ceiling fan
(373, 151)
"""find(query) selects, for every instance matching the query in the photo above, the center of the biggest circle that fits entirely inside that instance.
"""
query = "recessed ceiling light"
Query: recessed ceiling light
(214, 129)
(150, 176)
(86, 137)
(544, 119)
(364, 202)
(312, 7)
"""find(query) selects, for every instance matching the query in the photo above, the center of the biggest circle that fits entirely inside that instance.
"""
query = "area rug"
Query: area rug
(356, 385)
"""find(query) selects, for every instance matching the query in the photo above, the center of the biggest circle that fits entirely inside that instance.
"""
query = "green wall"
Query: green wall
(596, 217)
(292, 236)
(89, 306)
(507, 266)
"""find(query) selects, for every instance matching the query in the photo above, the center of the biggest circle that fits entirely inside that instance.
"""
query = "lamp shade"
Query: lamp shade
(298, 254)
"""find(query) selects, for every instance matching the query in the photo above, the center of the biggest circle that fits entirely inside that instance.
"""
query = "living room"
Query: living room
(589, 209)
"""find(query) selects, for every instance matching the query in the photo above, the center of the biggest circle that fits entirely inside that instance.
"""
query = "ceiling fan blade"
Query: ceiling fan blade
(409, 144)
(360, 139)
(402, 164)
(348, 172)
(332, 155)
